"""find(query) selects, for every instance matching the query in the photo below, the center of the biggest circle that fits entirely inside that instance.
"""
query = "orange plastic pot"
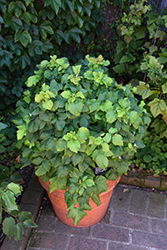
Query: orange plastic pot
(93, 216)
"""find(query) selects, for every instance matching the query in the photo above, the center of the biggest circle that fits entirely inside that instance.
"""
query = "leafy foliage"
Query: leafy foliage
(155, 90)
(75, 119)
(9, 187)
(30, 31)
(154, 157)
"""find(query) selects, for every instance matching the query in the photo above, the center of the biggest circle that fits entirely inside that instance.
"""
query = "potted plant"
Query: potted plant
(80, 129)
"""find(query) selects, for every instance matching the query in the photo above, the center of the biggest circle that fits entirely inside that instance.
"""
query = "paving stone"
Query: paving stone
(47, 223)
(31, 197)
(138, 202)
(149, 240)
(108, 232)
(106, 218)
(152, 182)
(34, 184)
(28, 207)
(121, 246)
(159, 226)
(49, 241)
(46, 208)
(130, 221)
(64, 229)
(12, 244)
(120, 199)
(156, 205)
(81, 243)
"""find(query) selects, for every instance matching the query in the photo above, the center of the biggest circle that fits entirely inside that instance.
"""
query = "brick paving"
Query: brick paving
(135, 220)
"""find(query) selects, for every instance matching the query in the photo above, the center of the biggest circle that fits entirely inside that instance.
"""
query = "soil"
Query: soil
(26, 176)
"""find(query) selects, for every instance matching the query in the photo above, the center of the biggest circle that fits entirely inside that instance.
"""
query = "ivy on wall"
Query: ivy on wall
(31, 30)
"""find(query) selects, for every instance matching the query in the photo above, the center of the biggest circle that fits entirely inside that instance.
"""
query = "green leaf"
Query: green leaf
(70, 5)
(38, 160)
(89, 182)
(101, 161)
(96, 199)
(9, 199)
(164, 88)
(24, 37)
(16, 188)
(84, 203)
(147, 158)
(3, 126)
(143, 90)
(44, 28)
(73, 145)
(74, 109)
(101, 184)
(76, 214)
(18, 231)
(61, 145)
(74, 33)
(21, 132)
(76, 159)
(55, 5)
(157, 106)
(66, 94)
(16, 23)
(29, 223)
(23, 60)
(117, 140)
(24, 215)
(8, 226)
(48, 104)
(111, 116)
(83, 133)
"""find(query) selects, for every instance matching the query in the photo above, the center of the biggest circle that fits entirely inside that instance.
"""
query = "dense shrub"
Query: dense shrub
(32, 30)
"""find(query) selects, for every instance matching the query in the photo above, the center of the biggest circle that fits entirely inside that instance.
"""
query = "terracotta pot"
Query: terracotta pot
(93, 216)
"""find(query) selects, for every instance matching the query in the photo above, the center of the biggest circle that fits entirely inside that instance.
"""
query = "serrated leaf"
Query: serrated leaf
(73, 145)
(101, 161)
(61, 145)
(66, 94)
(143, 90)
(101, 184)
(15, 188)
(76, 159)
(76, 214)
(9, 199)
(117, 140)
(74, 109)
(96, 199)
(48, 104)
(38, 160)
(83, 133)
(164, 88)
(157, 106)
(111, 116)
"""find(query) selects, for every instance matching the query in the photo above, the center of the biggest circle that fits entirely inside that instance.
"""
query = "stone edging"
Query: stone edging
(145, 181)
